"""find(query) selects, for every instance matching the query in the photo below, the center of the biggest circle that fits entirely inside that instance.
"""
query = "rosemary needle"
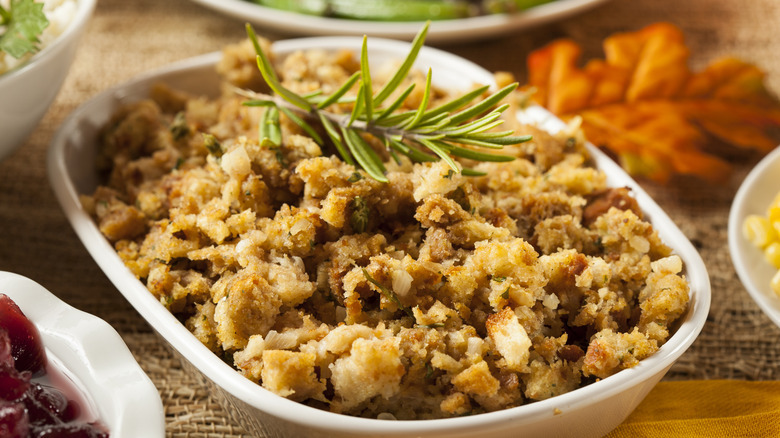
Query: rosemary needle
(457, 128)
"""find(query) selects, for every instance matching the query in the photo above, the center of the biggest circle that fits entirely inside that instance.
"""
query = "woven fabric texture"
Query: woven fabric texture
(126, 38)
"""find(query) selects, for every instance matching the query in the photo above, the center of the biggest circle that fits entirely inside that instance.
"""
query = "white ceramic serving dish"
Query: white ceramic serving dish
(27, 91)
(753, 197)
(591, 411)
(441, 31)
(93, 360)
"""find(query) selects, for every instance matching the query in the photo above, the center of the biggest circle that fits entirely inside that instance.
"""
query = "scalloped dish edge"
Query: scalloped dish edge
(92, 355)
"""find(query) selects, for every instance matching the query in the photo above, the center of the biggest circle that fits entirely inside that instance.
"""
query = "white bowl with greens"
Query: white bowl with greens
(38, 41)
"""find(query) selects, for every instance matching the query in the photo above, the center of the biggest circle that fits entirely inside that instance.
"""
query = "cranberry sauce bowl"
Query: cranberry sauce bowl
(86, 362)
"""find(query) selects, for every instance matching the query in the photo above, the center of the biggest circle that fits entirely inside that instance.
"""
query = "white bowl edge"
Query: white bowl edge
(73, 30)
(756, 192)
(29, 89)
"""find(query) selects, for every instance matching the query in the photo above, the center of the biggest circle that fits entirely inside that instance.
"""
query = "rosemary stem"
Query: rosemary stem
(341, 120)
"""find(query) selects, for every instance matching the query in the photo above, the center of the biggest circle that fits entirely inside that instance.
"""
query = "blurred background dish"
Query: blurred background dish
(29, 88)
(753, 198)
(442, 31)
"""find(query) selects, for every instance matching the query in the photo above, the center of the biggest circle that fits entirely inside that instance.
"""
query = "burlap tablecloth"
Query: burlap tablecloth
(126, 38)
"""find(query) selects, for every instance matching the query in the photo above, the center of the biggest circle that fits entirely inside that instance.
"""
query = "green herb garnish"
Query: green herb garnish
(458, 128)
(270, 131)
(428, 371)
(24, 21)
(360, 213)
(179, 127)
(430, 326)
(386, 292)
(212, 145)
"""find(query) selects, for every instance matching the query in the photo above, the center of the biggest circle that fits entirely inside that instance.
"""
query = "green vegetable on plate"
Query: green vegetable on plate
(400, 10)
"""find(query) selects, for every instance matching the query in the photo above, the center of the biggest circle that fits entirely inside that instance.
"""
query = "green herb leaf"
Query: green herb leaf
(300, 122)
(485, 105)
(386, 292)
(360, 212)
(440, 149)
(415, 122)
(471, 172)
(410, 151)
(179, 127)
(406, 66)
(212, 145)
(335, 137)
(479, 156)
(357, 109)
(459, 102)
(364, 154)
(269, 75)
(24, 23)
(430, 326)
(365, 74)
(270, 134)
(428, 371)
(338, 94)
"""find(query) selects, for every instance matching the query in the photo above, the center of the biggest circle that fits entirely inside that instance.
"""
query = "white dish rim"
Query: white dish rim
(95, 358)
(445, 31)
(216, 370)
(752, 198)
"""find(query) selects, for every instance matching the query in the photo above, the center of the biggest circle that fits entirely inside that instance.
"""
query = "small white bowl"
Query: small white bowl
(27, 91)
(753, 197)
(591, 411)
(93, 360)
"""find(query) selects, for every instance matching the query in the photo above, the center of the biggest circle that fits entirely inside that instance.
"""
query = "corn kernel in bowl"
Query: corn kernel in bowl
(764, 233)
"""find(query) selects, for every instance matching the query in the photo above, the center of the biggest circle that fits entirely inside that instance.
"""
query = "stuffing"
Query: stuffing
(432, 295)
(372, 368)
(510, 338)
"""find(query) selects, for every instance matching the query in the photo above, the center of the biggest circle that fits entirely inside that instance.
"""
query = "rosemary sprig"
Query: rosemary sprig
(390, 295)
(456, 128)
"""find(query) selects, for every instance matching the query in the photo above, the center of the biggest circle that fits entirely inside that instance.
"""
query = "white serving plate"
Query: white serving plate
(753, 197)
(93, 359)
(441, 31)
(591, 411)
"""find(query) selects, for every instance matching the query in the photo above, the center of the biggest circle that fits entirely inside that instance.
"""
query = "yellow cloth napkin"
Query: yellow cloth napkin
(706, 408)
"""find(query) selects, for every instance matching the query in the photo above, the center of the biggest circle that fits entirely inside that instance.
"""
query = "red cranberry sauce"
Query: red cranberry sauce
(28, 408)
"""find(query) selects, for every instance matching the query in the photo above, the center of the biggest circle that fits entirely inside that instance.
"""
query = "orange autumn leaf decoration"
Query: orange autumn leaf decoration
(646, 107)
